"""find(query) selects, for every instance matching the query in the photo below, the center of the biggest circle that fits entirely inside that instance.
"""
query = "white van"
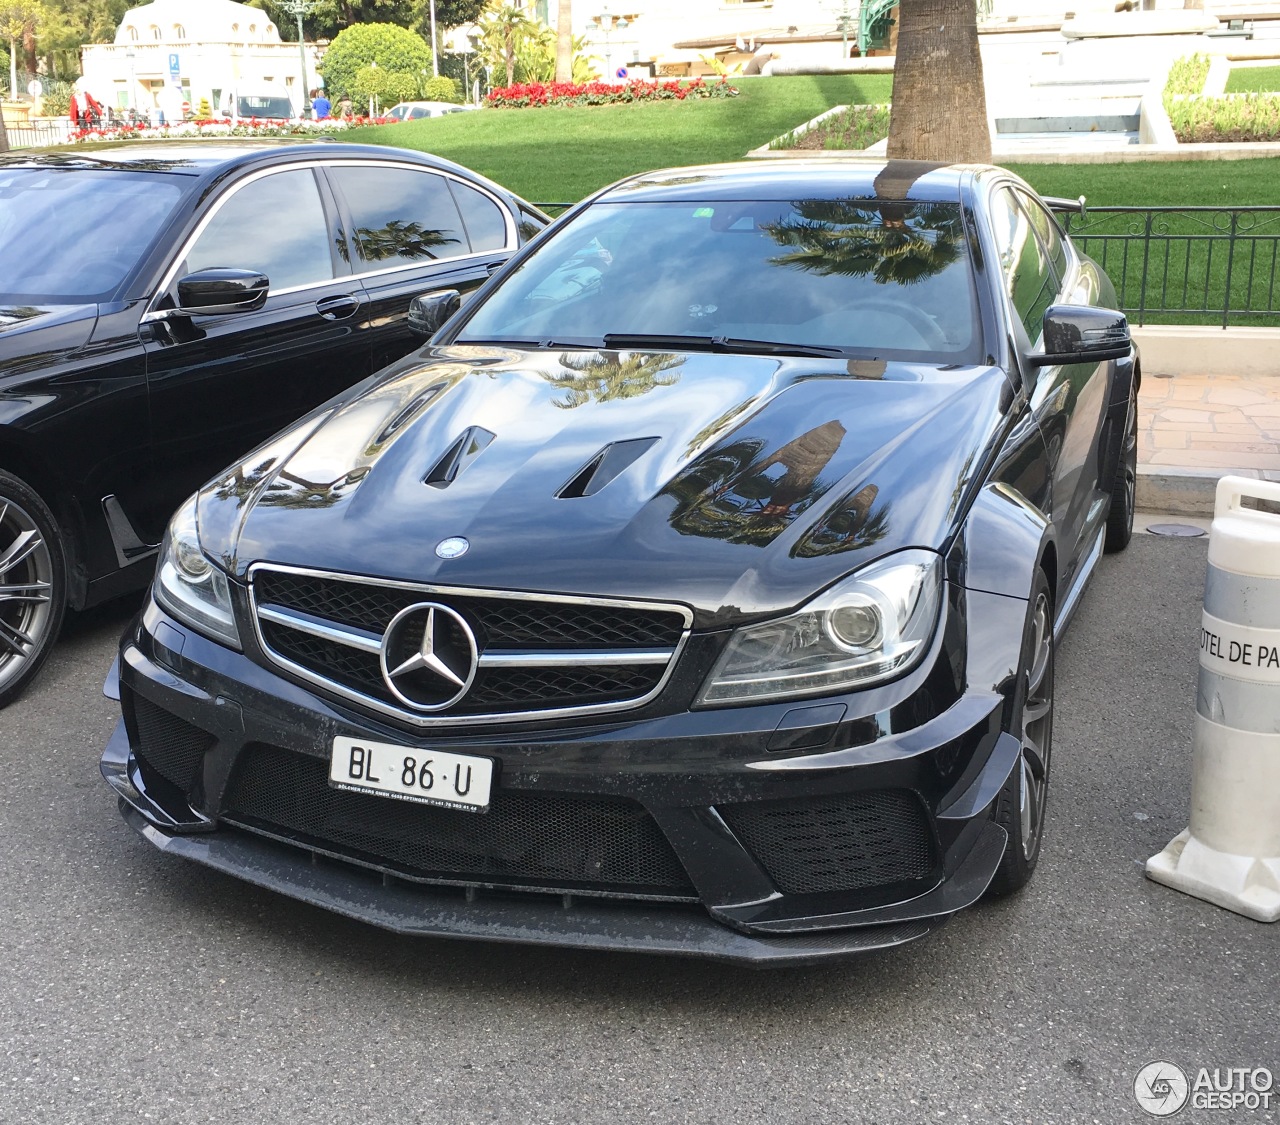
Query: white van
(262, 103)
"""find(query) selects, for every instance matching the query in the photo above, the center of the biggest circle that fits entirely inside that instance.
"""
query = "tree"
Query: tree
(564, 41)
(500, 31)
(19, 20)
(69, 24)
(393, 48)
(939, 101)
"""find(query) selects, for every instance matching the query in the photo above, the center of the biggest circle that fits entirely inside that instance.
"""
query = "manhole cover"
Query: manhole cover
(1176, 530)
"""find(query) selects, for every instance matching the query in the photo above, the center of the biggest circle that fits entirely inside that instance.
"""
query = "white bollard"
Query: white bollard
(1230, 855)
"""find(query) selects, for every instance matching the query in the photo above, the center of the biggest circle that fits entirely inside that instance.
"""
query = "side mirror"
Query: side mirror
(214, 292)
(429, 311)
(1082, 334)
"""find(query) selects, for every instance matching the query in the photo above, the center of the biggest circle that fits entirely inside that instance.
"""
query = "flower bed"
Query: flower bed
(604, 93)
(853, 127)
(195, 130)
(1235, 117)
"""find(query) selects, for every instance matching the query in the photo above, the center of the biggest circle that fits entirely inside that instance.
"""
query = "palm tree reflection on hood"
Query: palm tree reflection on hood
(893, 243)
(608, 376)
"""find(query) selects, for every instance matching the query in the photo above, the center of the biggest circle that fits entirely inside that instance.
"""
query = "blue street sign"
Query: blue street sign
(174, 70)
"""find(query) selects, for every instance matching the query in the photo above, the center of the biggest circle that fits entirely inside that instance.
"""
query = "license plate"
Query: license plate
(408, 773)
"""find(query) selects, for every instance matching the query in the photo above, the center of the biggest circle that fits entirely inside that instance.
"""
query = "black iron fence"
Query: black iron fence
(1187, 265)
(37, 134)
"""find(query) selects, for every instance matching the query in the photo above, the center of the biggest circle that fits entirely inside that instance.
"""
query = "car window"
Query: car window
(485, 221)
(1029, 278)
(275, 224)
(416, 112)
(1046, 226)
(74, 234)
(402, 216)
(531, 224)
(873, 276)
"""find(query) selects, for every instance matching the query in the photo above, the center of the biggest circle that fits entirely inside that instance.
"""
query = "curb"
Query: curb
(1183, 492)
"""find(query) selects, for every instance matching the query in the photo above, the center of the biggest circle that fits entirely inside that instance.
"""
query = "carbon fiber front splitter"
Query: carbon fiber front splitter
(578, 923)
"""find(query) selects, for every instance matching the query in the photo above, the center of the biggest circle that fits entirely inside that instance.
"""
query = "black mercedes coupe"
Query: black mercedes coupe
(693, 590)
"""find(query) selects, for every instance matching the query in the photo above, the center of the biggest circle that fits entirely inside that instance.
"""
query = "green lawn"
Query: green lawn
(560, 155)
(557, 155)
(1248, 79)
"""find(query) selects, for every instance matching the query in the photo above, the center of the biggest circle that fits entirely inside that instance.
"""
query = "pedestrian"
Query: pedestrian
(344, 107)
(321, 107)
(85, 111)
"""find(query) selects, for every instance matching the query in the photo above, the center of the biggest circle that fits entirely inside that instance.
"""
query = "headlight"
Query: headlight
(868, 628)
(189, 586)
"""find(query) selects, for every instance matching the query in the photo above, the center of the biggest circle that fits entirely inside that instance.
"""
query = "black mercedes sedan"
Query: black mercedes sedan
(165, 308)
(694, 590)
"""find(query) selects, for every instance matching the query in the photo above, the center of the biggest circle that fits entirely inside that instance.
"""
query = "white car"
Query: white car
(413, 111)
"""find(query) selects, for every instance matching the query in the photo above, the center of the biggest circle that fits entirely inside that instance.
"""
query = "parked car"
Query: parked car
(165, 308)
(261, 103)
(695, 591)
(414, 111)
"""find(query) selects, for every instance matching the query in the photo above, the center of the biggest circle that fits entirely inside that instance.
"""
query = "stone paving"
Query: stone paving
(1209, 422)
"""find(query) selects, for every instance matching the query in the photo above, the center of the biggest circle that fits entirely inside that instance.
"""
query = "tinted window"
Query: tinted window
(75, 234)
(402, 216)
(865, 275)
(1046, 226)
(275, 224)
(1030, 281)
(485, 222)
(530, 225)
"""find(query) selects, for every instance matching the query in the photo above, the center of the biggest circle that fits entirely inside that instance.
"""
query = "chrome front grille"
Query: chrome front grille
(536, 656)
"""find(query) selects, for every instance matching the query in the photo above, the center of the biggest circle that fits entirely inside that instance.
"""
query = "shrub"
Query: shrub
(440, 89)
(386, 86)
(359, 46)
(604, 93)
(56, 99)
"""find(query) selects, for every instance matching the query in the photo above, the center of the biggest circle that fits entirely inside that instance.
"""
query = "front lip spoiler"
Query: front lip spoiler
(585, 924)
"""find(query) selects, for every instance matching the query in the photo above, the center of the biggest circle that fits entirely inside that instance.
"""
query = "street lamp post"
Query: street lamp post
(607, 23)
(435, 49)
(298, 9)
(133, 80)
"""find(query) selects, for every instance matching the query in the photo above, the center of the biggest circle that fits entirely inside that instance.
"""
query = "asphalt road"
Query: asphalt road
(136, 988)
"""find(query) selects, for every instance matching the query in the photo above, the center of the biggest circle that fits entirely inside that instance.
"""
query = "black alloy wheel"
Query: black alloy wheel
(32, 585)
(1124, 490)
(1020, 807)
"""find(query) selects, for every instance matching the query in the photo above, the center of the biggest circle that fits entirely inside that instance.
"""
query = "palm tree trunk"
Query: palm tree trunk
(4, 135)
(510, 52)
(939, 103)
(564, 41)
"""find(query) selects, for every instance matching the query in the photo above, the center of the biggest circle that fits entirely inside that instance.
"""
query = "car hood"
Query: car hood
(738, 485)
(33, 335)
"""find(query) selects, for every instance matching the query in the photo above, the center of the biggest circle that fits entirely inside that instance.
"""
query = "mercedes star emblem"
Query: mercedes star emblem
(452, 548)
(428, 656)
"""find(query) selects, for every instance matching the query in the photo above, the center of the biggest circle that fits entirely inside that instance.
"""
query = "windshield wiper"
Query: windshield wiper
(728, 344)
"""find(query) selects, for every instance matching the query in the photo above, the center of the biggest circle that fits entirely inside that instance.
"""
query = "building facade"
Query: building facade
(203, 47)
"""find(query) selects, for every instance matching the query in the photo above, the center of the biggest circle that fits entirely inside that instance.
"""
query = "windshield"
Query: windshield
(72, 235)
(247, 106)
(855, 275)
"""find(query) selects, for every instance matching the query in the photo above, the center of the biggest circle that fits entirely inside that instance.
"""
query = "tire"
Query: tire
(33, 585)
(1020, 807)
(1124, 488)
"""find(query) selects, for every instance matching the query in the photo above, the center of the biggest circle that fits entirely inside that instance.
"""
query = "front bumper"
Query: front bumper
(687, 776)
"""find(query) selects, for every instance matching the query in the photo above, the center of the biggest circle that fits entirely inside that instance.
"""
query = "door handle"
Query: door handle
(337, 308)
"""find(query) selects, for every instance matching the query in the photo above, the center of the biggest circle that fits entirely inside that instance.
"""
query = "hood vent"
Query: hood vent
(465, 449)
(604, 466)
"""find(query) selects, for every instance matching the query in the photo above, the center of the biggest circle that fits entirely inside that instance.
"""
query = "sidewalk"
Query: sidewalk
(1192, 429)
